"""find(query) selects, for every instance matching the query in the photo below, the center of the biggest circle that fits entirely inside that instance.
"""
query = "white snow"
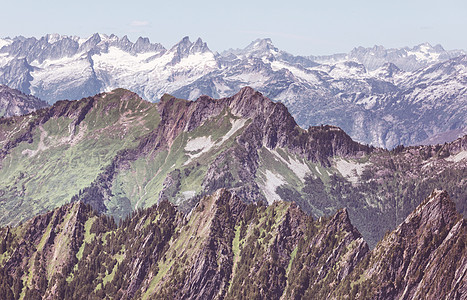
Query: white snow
(5, 42)
(152, 71)
(5, 59)
(368, 102)
(300, 169)
(53, 38)
(273, 181)
(60, 72)
(424, 54)
(203, 143)
(194, 94)
(342, 70)
(204, 61)
(458, 157)
(351, 170)
(236, 125)
(188, 194)
(317, 170)
(118, 60)
(253, 79)
(309, 77)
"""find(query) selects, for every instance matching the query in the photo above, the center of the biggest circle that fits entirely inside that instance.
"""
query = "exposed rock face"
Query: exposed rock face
(226, 249)
(425, 257)
(15, 103)
(325, 259)
(271, 126)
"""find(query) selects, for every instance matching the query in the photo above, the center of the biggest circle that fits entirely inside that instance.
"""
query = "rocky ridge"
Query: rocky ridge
(423, 258)
(227, 249)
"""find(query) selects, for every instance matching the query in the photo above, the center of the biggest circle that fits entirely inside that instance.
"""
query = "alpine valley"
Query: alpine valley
(383, 97)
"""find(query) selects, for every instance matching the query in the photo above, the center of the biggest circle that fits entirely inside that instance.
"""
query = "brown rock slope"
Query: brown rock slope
(424, 258)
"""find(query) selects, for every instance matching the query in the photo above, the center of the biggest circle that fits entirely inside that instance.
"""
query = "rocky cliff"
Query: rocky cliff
(425, 257)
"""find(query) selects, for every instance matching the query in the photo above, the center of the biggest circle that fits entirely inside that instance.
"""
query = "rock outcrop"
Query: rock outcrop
(425, 257)
(15, 103)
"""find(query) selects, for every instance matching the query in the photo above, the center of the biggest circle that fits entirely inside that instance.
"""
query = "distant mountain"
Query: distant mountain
(407, 59)
(119, 153)
(15, 103)
(226, 249)
(382, 97)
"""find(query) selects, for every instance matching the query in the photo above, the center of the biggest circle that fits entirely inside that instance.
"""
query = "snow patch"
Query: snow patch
(154, 72)
(5, 42)
(458, 157)
(349, 169)
(273, 181)
(236, 125)
(300, 169)
(5, 58)
(203, 143)
(60, 72)
(307, 76)
(317, 170)
(424, 54)
(255, 80)
(188, 194)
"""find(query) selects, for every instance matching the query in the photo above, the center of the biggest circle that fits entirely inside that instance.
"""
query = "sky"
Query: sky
(299, 27)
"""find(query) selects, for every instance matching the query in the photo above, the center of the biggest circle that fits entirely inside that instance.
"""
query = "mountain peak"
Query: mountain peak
(261, 46)
(248, 102)
(185, 48)
(183, 45)
(438, 200)
(53, 38)
(433, 214)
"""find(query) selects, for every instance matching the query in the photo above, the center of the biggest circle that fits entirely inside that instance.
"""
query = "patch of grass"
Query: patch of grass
(88, 236)
(292, 257)
(46, 235)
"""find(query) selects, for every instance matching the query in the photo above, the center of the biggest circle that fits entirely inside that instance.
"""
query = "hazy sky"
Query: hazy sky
(299, 27)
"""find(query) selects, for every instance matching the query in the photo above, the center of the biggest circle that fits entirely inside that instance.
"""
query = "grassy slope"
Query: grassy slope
(60, 162)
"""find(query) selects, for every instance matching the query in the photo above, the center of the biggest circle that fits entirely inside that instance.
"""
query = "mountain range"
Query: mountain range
(227, 249)
(119, 153)
(383, 97)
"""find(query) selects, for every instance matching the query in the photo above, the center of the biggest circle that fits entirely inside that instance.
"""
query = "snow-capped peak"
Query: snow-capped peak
(53, 38)
(261, 47)
(5, 42)
(387, 71)
(425, 52)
